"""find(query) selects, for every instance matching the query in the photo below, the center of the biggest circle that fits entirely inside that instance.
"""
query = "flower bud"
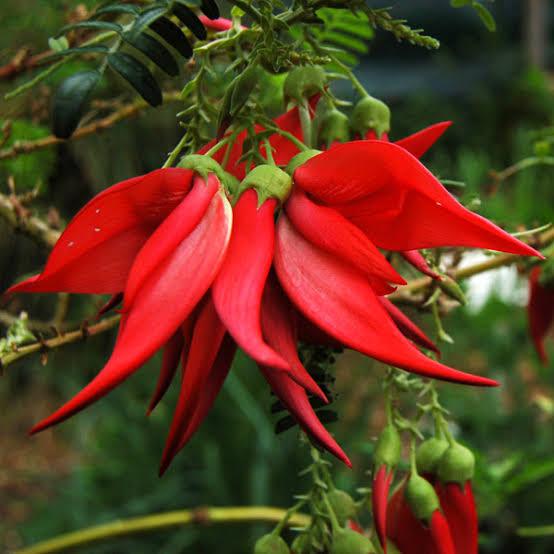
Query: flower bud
(370, 114)
(333, 127)
(348, 541)
(300, 545)
(429, 454)
(301, 158)
(387, 451)
(457, 465)
(304, 81)
(421, 497)
(271, 544)
(343, 505)
(269, 182)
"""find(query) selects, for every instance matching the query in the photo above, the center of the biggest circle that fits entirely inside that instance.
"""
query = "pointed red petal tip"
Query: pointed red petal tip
(329, 230)
(416, 259)
(279, 329)
(295, 399)
(339, 300)
(407, 327)
(171, 356)
(95, 252)
(195, 261)
(237, 290)
(114, 301)
(380, 495)
(418, 143)
(540, 312)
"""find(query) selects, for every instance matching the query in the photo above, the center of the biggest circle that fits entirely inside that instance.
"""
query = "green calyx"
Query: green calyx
(348, 541)
(271, 544)
(300, 545)
(370, 114)
(204, 165)
(334, 126)
(300, 159)
(429, 454)
(421, 497)
(343, 505)
(304, 81)
(269, 182)
(388, 449)
(457, 465)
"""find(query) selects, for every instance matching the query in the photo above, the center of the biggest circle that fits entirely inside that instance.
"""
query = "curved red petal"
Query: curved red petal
(279, 329)
(206, 342)
(341, 302)
(95, 252)
(407, 327)
(171, 355)
(162, 305)
(441, 535)
(396, 201)
(219, 24)
(416, 259)
(379, 500)
(238, 288)
(329, 230)
(458, 505)
(295, 399)
(418, 143)
(540, 312)
(174, 229)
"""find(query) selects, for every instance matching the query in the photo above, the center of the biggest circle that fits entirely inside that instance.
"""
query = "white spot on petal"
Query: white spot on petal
(71, 243)
(97, 229)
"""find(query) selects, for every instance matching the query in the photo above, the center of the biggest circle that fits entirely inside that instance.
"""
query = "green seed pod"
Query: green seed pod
(271, 544)
(457, 465)
(429, 454)
(421, 497)
(304, 81)
(388, 449)
(300, 159)
(348, 541)
(343, 505)
(333, 127)
(370, 114)
(269, 181)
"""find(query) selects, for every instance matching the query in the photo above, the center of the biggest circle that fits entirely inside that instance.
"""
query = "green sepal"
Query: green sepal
(271, 544)
(204, 165)
(301, 544)
(421, 497)
(304, 81)
(301, 158)
(348, 541)
(388, 449)
(269, 182)
(457, 465)
(343, 505)
(334, 126)
(370, 114)
(429, 454)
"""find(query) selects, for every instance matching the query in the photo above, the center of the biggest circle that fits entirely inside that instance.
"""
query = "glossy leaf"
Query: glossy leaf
(156, 51)
(171, 33)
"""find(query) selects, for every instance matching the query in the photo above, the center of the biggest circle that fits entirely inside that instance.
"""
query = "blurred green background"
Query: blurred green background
(102, 464)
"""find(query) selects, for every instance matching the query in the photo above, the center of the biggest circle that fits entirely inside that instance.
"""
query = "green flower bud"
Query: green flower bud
(271, 544)
(457, 465)
(300, 545)
(421, 497)
(300, 159)
(304, 81)
(269, 181)
(370, 114)
(348, 541)
(429, 454)
(388, 449)
(343, 505)
(333, 127)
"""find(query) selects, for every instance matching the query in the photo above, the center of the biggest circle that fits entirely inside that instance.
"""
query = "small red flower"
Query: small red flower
(540, 311)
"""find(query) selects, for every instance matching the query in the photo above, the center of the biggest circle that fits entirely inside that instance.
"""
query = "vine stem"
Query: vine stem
(167, 520)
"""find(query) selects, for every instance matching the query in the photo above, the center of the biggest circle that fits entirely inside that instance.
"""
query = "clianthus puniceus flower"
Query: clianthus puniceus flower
(198, 278)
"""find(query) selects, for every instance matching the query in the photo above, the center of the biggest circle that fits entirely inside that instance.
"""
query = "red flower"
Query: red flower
(540, 311)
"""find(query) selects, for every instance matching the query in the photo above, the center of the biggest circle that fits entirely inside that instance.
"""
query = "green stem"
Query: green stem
(176, 151)
(157, 522)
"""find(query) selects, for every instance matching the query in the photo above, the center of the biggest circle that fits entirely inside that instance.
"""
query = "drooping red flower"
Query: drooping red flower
(540, 311)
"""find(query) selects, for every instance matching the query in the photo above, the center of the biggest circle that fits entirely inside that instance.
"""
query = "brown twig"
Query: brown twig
(27, 146)
(22, 61)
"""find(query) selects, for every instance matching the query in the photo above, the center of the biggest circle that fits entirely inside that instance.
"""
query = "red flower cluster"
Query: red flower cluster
(198, 277)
